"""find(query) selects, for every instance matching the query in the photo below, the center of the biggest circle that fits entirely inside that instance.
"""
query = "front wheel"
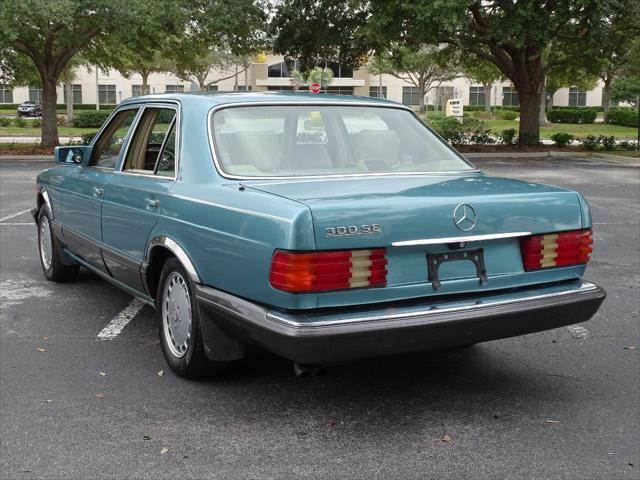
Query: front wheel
(180, 327)
(51, 253)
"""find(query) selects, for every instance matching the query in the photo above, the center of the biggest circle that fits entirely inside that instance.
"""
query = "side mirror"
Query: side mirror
(72, 155)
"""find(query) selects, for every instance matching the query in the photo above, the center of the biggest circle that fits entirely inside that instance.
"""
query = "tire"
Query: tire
(180, 325)
(50, 251)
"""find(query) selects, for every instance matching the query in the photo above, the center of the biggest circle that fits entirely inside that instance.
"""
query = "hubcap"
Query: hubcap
(176, 314)
(45, 243)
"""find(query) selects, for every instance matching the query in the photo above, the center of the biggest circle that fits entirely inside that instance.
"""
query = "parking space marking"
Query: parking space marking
(117, 324)
(14, 215)
(17, 223)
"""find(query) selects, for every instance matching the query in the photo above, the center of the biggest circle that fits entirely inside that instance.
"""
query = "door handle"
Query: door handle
(151, 203)
(97, 192)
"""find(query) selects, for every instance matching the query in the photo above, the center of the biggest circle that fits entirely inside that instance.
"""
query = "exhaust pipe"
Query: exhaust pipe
(304, 370)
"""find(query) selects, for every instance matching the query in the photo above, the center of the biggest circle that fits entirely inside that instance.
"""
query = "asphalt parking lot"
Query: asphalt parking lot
(558, 404)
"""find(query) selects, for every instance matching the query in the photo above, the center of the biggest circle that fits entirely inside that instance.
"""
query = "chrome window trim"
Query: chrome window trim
(176, 121)
(462, 239)
(231, 176)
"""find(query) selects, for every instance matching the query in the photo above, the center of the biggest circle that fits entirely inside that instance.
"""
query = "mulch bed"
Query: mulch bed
(515, 148)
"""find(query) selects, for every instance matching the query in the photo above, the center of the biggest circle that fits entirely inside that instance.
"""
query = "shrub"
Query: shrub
(591, 142)
(562, 139)
(36, 123)
(509, 115)
(608, 143)
(508, 136)
(5, 122)
(482, 136)
(449, 129)
(575, 115)
(625, 116)
(624, 145)
(90, 119)
(19, 122)
(85, 139)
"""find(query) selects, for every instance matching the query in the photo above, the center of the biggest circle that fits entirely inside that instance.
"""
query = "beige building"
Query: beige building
(272, 72)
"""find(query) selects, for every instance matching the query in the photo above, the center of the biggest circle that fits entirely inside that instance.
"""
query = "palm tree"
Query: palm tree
(320, 75)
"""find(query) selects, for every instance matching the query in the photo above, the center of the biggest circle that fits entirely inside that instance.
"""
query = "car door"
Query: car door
(85, 186)
(135, 195)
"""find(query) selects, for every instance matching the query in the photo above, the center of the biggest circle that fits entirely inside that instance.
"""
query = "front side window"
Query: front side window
(107, 148)
(152, 148)
(309, 140)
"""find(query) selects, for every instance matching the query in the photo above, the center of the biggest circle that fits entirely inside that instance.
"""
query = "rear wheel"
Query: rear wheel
(51, 253)
(180, 325)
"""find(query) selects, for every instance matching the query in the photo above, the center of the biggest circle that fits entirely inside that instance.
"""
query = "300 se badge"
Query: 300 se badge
(349, 230)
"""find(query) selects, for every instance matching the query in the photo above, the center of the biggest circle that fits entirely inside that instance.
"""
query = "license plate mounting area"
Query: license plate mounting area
(434, 260)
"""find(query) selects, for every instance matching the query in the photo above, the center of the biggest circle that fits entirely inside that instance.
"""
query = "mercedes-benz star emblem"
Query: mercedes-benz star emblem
(465, 217)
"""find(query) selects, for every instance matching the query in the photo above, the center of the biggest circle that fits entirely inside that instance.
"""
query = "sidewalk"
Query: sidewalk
(63, 140)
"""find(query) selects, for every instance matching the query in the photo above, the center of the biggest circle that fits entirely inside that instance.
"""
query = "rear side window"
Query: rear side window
(152, 148)
(106, 149)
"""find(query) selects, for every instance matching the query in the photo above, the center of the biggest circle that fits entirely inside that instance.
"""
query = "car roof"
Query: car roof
(222, 98)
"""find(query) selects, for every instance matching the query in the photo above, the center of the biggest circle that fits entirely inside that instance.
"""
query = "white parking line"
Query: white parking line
(18, 223)
(117, 324)
(14, 215)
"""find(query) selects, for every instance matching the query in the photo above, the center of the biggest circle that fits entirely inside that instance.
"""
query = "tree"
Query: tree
(51, 33)
(319, 75)
(424, 67)
(512, 35)
(626, 87)
(198, 68)
(483, 72)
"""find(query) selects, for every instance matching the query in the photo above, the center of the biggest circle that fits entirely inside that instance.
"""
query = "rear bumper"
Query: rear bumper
(331, 335)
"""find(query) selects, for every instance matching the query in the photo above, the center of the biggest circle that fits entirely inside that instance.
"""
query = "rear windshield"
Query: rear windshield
(315, 140)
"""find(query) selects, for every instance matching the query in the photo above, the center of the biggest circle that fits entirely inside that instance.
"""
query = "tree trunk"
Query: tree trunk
(549, 100)
(487, 98)
(49, 118)
(606, 99)
(145, 82)
(69, 93)
(529, 132)
(422, 107)
(542, 117)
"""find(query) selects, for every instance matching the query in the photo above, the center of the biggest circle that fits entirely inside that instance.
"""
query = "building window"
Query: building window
(107, 94)
(242, 88)
(339, 71)
(282, 69)
(378, 92)
(577, 98)
(340, 90)
(476, 96)
(273, 88)
(211, 88)
(6, 94)
(174, 89)
(410, 96)
(35, 94)
(136, 90)
(76, 94)
(510, 97)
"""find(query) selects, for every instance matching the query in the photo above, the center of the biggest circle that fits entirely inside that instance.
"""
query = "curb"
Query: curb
(28, 158)
(619, 159)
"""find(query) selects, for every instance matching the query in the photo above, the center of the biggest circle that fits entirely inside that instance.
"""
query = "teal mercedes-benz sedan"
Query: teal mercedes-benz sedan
(323, 228)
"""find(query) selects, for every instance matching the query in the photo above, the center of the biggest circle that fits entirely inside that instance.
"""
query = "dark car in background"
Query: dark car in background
(29, 109)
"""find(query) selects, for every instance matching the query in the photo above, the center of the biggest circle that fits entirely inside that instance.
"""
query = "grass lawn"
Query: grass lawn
(579, 130)
(36, 132)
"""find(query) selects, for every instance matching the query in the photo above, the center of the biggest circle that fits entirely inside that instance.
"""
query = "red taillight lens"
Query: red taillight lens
(322, 271)
(556, 249)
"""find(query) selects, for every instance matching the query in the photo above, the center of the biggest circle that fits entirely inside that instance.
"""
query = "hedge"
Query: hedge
(596, 109)
(575, 115)
(625, 116)
(90, 119)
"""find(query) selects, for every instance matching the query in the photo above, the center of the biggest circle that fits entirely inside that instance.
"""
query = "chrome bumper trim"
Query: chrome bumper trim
(463, 239)
(420, 314)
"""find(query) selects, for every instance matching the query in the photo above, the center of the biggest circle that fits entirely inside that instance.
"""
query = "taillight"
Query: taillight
(322, 271)
(556, 249)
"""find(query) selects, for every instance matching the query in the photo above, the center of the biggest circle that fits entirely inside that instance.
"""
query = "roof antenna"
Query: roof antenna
(241, 187)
